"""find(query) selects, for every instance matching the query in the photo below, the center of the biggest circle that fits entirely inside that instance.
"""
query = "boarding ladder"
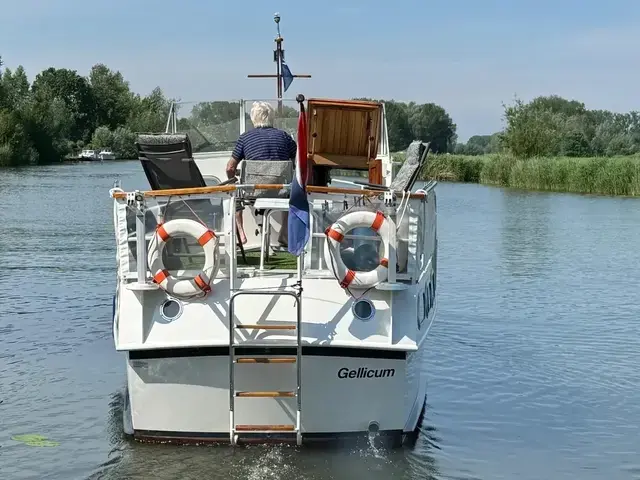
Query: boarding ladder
(235, 357)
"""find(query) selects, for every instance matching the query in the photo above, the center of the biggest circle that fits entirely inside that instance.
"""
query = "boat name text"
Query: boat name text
(364, 372)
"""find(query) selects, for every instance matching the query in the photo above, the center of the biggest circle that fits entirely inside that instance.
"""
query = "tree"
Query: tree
(431, 123)
(215, 113)
(113, 97)
(45, 121)
(149, 114)
(75, 91)
(532, 131)
(15, 145)
(49, 126)
(400, 133)
(102, 138)
(16, 87)
(557, 104)
(556, 126)
(3, 97)
(124, 143)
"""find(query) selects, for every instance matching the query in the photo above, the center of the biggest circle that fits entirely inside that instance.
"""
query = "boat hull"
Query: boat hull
(182, 395)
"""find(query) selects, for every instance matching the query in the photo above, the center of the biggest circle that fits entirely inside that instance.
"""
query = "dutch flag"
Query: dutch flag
(298, 202)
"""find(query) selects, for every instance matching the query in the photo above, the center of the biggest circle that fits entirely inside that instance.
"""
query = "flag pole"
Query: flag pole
(278, 58)
(300, 99)
(278, 54)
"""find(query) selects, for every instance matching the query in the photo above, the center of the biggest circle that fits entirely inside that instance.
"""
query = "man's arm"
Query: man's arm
(236, 156)
(232, 165)
(293, 148)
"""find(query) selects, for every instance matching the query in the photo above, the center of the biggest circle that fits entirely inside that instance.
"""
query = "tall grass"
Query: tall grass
(597, 175)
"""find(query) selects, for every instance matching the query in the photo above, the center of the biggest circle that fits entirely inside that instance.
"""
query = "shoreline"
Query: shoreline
(602, 176)
(613, 176)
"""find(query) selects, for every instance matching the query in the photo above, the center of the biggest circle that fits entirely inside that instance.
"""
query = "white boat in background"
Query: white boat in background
(236, 343)
(106, 154)
(88, 154)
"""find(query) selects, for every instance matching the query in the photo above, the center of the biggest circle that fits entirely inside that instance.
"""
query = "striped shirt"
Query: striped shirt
(265, 143)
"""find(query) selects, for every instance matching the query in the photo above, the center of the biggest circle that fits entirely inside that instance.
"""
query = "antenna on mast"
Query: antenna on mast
(278, 58)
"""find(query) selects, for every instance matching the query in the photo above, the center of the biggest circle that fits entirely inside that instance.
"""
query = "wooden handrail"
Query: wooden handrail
(230, 188)
(181, 191)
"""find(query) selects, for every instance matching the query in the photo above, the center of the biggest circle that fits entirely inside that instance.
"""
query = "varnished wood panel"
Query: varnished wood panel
(343, 128)
(341, 161)
(375, 171)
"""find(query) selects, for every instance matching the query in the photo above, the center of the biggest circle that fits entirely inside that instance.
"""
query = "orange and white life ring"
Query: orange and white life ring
(185, 287)
(377, 221)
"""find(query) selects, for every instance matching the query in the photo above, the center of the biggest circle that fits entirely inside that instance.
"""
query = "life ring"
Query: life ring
(378, 222)
(186, 287)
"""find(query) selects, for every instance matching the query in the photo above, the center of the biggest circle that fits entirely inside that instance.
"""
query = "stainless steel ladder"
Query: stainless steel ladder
(235, 357)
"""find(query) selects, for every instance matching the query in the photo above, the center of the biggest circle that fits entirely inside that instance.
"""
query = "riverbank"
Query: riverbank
(618, 175)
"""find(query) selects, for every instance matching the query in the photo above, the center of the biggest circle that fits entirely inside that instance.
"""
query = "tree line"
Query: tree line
(550, 126)
(546, 126)
(61, 112)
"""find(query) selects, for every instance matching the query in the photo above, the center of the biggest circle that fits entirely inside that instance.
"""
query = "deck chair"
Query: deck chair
(267, 172)
(408, 174)
(167, 161)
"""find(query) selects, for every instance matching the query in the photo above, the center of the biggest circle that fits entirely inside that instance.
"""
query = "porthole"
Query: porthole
(363, 309)
(171, 309)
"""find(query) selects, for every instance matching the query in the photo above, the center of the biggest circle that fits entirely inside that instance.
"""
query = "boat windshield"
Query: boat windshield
(215, 126)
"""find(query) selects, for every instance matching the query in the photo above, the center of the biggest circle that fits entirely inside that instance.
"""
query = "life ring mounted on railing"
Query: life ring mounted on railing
(379, 223)
(185, 287)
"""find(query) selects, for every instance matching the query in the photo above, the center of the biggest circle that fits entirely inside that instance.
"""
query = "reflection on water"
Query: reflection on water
(525, 233)
(532, 361)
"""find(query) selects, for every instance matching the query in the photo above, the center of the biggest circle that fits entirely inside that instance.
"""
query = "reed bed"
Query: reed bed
(618, 175)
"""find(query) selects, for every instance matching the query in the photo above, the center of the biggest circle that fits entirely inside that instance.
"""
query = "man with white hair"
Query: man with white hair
(264, 142)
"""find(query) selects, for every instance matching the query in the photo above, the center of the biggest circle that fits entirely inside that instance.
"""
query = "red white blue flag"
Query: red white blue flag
(298, 203)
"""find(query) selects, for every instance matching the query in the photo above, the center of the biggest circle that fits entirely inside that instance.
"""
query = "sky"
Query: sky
(469, 56)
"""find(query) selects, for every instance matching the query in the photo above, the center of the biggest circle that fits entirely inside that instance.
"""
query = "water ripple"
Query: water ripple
(532, 362)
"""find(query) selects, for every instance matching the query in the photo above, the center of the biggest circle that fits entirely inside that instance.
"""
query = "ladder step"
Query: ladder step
(265, 428)
(265, 394)
(267, 327)
(266, 360)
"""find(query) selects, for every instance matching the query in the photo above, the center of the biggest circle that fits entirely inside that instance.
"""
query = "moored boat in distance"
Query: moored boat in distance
(106, 154)
(88, 154)
(233, 342)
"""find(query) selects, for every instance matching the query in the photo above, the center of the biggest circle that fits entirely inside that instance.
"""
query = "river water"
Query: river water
(532, 362)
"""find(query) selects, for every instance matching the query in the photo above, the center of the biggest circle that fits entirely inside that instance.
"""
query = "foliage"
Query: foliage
(617, 175)
(554, 126)
(479, 145)
(411, 121)
(62, 111)
(114, 100)
(215, 126)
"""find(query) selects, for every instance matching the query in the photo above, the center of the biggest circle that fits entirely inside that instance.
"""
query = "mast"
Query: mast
(278, 58)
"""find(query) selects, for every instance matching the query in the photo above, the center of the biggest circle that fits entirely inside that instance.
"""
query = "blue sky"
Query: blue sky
(469, 56)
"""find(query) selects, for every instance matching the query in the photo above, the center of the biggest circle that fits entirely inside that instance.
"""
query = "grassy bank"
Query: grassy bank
(599, 175)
